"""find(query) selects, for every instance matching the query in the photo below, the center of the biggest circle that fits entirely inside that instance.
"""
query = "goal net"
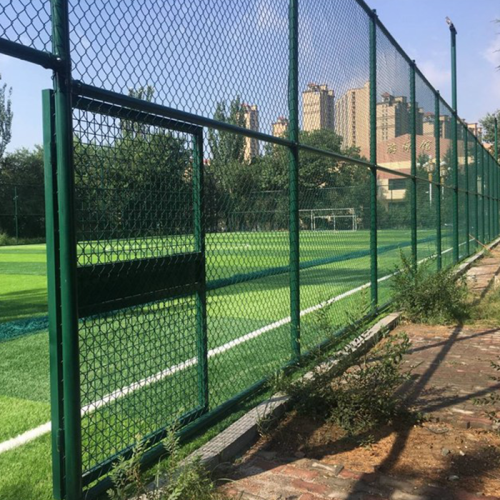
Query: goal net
(328, 219)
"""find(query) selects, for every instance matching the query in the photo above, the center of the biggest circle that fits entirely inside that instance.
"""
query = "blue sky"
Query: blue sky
(418, 25)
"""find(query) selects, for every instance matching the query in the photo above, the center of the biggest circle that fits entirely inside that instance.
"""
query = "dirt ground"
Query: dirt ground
(426, 453)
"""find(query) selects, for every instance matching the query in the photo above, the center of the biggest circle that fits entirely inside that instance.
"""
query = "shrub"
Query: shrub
(360, 398)
(428, 296)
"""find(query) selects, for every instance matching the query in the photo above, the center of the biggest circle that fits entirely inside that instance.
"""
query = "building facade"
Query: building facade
(252, 123)
(352, 117)
(280, 127)
(317, 108)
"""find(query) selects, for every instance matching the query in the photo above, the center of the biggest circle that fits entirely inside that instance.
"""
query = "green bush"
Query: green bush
(360, 398)
(6, 240)
(428, 296)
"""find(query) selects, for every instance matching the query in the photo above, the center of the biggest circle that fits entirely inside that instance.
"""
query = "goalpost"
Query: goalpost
(329, 219)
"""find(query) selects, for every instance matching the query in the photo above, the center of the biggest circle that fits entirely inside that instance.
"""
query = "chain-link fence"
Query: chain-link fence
(225, 185)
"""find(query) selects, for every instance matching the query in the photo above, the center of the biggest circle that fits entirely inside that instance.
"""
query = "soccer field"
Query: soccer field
(248, 337)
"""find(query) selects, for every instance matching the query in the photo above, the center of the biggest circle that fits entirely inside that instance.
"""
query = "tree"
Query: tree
(488, 124)
(6, 116)
(21, 175)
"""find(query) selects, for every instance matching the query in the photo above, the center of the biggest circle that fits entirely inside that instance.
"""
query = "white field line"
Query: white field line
(32, 434)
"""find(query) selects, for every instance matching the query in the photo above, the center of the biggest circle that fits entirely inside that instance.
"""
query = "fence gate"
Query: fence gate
(137, 358)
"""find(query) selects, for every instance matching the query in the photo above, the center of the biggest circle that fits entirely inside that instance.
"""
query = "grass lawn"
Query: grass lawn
(120, 349)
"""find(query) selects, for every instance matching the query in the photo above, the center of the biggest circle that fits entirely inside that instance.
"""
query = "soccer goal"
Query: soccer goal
(328, 219)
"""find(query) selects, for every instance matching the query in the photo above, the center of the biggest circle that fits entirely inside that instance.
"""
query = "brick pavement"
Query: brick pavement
(452, 367)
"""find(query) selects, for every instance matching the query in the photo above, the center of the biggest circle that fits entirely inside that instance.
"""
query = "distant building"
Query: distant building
(476, 129)
(393, 117)
(317, 108)
(444, 125)
(352, 117)
(280, 127)
(252, 123)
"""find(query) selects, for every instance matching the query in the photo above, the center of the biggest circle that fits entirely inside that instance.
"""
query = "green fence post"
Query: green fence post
(454, 138)
(54, 297)
(293, 105)
(487, 192)
(483, 199)
(413, 180)
(490, 192)
(466, 173)
(437, 177)
(497, 194)
(199, 244)
(476, 191)
(65, 193)
(373, 161)
(16, 214)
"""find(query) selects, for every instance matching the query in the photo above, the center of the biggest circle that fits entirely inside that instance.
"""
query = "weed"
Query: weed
(176, 479)
(359, 398)
(427, 296)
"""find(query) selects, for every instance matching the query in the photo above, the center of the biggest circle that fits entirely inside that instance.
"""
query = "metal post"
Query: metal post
(199, 242)
(437, 177)
(483, 199)
(293, 105)
(54, 296)
(413, 180)
(373, 161)
(490, 196)
(65, 193)
(454, 129)
(16, 214)
(467, 215)
(496, 190)
(476, 191)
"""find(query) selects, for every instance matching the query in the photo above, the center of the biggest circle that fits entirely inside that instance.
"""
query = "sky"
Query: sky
(260, 73)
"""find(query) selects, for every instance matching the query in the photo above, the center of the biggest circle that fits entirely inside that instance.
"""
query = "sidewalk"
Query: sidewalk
(453, 455)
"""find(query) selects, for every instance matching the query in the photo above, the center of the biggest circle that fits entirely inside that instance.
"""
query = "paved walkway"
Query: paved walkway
(453, 367)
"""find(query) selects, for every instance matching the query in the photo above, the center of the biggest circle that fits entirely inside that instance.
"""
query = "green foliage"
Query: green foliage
(358, 394)
(176, 479)
(428, 296)
(6, 116)
(21, 175)
(488, 124)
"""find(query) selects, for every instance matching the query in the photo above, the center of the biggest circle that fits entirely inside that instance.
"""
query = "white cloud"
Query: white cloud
(435, 73)
(492, 53)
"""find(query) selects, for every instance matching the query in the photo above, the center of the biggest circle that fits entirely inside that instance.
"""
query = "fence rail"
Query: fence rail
(187, 150)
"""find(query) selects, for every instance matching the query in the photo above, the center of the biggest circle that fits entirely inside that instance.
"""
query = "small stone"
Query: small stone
(462, 454)
(299, 454)
(453, 478)
(445, 451)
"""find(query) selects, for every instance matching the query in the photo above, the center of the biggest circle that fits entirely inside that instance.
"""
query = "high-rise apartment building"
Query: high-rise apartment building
(280, 127)
(317, 108)
(393, 117)
(352, 117)
(444, 125)
(252, 123)
(476, 129)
